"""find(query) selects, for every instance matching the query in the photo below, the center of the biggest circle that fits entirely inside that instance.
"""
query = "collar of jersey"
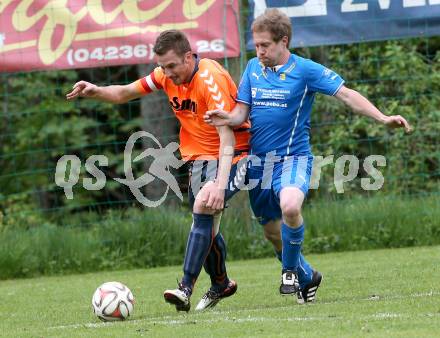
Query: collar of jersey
(196, 68)
(279, 67)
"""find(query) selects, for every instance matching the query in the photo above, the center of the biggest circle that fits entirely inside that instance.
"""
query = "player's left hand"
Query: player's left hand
(397, 121)
(213, 197)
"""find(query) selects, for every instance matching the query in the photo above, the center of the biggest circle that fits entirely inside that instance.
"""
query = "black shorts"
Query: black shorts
(203, 171)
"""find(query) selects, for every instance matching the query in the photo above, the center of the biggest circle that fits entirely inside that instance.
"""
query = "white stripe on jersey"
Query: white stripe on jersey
(296, 121)
(213, 88)
(150, 83)
(337, 89)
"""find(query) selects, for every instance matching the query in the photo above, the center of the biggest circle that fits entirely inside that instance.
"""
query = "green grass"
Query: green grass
(382, 293)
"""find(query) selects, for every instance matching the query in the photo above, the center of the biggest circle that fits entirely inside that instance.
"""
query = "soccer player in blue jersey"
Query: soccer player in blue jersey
(276, 92)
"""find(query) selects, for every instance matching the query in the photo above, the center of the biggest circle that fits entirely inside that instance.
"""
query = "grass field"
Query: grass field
(382, 293)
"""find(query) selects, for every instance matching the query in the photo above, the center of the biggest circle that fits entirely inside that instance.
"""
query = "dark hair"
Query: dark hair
(275, 22)
(172, 40)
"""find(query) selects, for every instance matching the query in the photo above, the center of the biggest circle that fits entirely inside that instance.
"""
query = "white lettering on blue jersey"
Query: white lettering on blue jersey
(281, 101)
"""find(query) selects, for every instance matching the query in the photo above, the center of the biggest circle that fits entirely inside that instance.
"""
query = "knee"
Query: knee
(272, 232)
(200, 201)
(199, 208)
(291, 211)
(273, 237)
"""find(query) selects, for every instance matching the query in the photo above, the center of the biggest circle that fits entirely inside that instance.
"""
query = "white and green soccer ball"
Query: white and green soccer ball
(113, 301)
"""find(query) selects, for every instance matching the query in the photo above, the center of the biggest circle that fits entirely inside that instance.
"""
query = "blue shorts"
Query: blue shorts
(295, 171)
(203, 171)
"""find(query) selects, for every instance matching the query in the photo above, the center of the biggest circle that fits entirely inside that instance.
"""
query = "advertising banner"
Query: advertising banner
(60, 34)
(325, 22)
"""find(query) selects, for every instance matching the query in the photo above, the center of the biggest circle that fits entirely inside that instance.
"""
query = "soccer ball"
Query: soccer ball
(112, 301)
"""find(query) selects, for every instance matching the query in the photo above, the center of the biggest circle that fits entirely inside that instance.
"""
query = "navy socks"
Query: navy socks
(215, 264)
(197, 249)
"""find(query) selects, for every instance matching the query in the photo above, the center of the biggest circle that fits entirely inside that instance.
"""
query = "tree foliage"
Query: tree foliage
(38, 126)
(400, 78)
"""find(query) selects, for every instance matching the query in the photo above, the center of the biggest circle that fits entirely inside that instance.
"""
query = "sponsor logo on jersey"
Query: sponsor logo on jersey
(186, 104)
(329, 73)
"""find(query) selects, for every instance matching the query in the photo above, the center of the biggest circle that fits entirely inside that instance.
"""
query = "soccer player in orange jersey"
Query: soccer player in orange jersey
(193, 86)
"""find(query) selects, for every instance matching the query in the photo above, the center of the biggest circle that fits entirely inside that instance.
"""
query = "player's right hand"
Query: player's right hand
(83, 89)
(217, 118)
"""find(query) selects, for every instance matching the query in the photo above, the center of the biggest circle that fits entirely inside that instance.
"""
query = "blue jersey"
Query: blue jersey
(281, 101)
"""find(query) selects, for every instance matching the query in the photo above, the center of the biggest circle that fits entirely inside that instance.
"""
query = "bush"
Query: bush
(135, 238)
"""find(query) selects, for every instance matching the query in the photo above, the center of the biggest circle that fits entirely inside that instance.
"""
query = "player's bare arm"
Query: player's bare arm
(113, 94)
(362, 106)
(236, 117)
(214, 198)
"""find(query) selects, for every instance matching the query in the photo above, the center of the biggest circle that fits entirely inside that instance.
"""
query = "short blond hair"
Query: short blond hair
(275, 22)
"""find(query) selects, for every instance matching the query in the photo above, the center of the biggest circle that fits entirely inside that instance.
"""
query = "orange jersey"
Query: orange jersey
(211, 87)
